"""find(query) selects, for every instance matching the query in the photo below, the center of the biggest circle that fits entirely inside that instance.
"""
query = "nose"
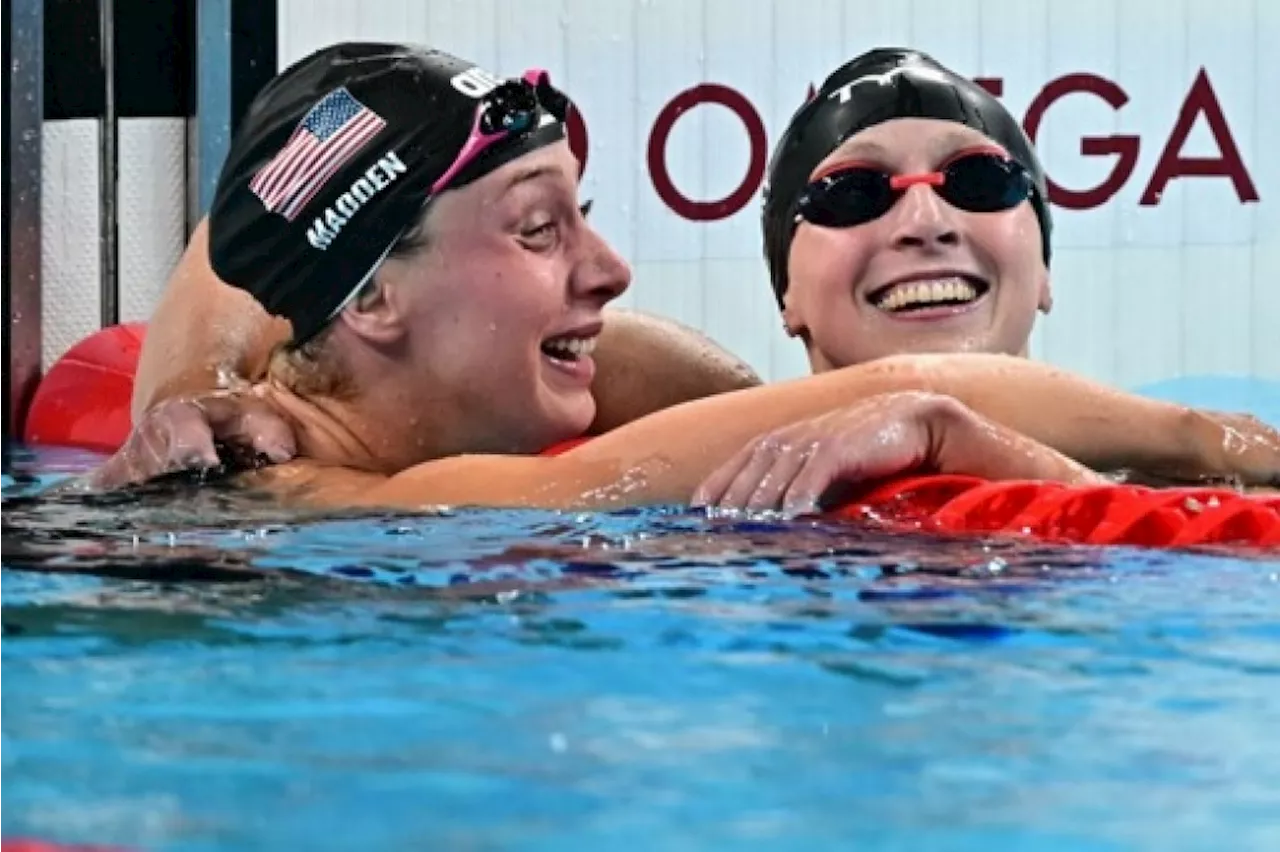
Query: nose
(923, 220)
(602, 275)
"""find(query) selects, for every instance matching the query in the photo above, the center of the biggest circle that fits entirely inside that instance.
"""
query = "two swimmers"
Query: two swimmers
(443, 313)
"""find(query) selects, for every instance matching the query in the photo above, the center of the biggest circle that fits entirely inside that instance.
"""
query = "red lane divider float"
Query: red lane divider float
(1051, 511)
(83, 400)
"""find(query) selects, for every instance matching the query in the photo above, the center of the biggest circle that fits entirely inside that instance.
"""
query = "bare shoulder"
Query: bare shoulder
(679, 343)
(647, 363)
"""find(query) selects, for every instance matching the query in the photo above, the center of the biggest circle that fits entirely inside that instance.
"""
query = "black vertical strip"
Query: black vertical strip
(155, 50)
(154, 63)
(254, 26)
(7, 427)
(191, 38)
(73, 82)
(191, 46)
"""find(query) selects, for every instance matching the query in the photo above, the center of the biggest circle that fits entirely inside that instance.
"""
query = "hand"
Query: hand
(182, 433)
(1239, 446)
(1213, 446)
(794, 467)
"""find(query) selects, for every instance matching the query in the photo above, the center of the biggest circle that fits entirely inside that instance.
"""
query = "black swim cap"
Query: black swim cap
(334, 160)
(880, 85)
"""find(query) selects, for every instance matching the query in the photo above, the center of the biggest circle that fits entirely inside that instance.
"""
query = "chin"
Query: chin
(581, 415)
(567, 418)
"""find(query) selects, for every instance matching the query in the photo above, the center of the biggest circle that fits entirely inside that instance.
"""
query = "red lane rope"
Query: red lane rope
(1050, 511)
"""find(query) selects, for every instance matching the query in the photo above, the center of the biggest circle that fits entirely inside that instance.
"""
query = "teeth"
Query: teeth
(927, 293)
(576, 346)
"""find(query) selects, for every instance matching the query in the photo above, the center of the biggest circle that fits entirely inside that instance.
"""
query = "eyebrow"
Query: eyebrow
(863, 148)
(528, 174)
(953, 142)
(945, 144)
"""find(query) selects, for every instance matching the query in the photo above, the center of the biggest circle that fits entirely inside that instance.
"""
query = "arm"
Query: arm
(812, 463)
(664, 457)
(203, 327)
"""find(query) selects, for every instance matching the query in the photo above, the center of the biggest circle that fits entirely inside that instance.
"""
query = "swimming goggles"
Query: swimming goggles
(511, 109)
(857, 193)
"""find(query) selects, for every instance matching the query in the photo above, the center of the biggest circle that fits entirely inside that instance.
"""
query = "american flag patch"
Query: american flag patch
(331, 134)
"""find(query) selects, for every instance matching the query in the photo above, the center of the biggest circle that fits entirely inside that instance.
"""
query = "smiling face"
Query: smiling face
(924, 277)
(502, 308)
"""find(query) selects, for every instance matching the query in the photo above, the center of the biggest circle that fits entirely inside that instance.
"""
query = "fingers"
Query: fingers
(757, 475)
(175, 435)
(182, 434)
(886, 443)
(819, 452)
(760, 484)
(147, 453)
(792, 469)
(269, 435)
(712, 489)
(1242, 432)
(814, 478)
(184, 439)
(791, 474)
(249, 422)
(1229, 444)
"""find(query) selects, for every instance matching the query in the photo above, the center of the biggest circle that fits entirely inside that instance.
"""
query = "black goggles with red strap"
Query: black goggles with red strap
(856, 193)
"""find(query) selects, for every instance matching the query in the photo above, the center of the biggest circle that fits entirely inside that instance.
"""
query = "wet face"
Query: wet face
(504, 305)
(924, 277)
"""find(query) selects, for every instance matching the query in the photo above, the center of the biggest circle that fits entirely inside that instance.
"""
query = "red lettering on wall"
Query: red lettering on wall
(1200, 100)
(993, 85)
(707, 93)
(579, 140)
(1124, 146)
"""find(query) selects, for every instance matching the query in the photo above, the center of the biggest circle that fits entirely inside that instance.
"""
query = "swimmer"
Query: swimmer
(906, 211)
(903, 111)
(443, 293)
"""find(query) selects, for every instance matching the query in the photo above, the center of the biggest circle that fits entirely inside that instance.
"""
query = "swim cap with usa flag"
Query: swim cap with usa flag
(334, 160)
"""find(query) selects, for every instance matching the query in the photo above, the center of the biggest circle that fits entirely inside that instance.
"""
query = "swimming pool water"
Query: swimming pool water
(228, 677)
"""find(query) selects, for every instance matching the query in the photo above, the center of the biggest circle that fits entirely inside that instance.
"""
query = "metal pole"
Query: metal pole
(109, 172)
(213, 94)
(24, 34)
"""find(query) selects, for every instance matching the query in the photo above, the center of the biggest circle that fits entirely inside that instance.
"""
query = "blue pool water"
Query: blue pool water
(193, 671)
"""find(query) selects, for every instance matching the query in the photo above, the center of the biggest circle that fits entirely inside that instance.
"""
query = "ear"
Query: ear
(1045, 294)
(792, 323)
(376, 314)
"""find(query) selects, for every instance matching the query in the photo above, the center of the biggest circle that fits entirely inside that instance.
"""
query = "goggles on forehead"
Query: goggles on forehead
(511, 109)
(854, 194)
